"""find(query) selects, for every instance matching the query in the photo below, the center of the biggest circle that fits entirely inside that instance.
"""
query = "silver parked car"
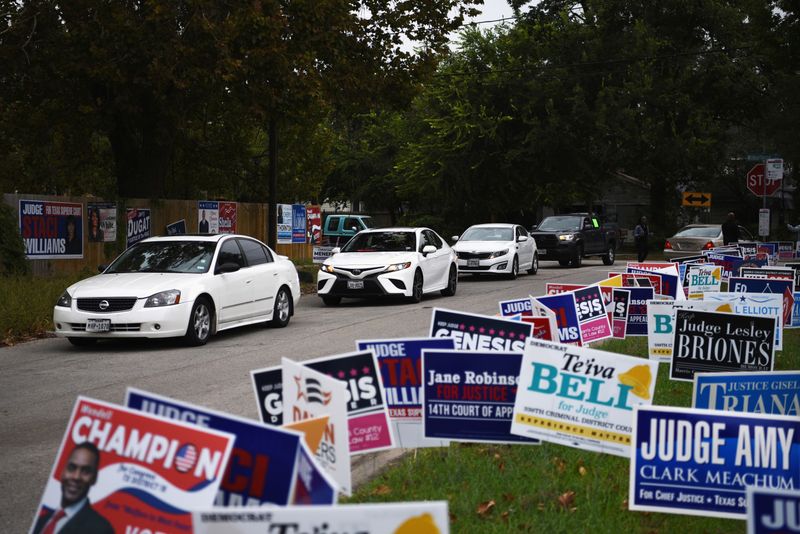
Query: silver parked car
(695, 238)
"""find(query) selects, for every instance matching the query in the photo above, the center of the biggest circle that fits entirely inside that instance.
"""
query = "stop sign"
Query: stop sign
(759, 184)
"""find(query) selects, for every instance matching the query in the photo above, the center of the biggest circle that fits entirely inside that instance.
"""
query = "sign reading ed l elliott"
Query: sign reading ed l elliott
(699, 462)
(51, 230)
(479, 332)
(775, 392)
(581, 397)
(715, 342)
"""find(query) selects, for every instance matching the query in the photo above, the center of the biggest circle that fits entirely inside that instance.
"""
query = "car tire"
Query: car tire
(82, 341)
(514, 269)
(200, 320)
(452, 282)
(416, 287)
(282, 311)
(534, 264)
(610, 256)
(563, 263)
(331, 301)
(577, 259)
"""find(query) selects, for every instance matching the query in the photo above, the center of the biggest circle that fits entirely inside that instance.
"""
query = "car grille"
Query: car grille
(546, 241)
(473, 255)
(118, 327)
(115, 304)
(358, 271)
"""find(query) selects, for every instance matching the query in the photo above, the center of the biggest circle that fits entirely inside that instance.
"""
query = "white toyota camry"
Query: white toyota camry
(405, 262)
(191, 286)
(496, 249)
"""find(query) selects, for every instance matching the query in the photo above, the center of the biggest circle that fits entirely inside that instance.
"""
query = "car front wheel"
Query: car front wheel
(283, 309)
(577, 260)
(199, 328)
(514, 269)
(534, 264)
(610, 256)
(416, 288)
(452, 282)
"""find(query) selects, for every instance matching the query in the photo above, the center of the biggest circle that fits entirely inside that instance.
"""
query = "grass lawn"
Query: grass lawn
(546, 488)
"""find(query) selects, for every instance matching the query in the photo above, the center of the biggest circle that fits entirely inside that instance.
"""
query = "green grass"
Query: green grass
(547, 488)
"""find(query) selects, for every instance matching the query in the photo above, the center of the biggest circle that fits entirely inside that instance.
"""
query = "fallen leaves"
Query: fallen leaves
(485, 508)
(566, 500)
(383, 489)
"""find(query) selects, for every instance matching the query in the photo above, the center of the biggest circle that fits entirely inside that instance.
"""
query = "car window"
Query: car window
(352, 222)
(254, 252)
(165, 257)
(520, 232)
(378, 241)
(487, 233)
(230, 253)
(699, 231)
(432, 239)
(560, 223)
(744, 234)
(332, 224)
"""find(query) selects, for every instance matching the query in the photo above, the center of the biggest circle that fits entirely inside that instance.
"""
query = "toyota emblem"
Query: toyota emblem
(356, 271)
(103, 305)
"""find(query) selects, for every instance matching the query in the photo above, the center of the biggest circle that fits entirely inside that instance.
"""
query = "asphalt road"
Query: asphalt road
(41, 379)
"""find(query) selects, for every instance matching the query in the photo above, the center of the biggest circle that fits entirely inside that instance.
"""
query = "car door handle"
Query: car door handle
(247, 282)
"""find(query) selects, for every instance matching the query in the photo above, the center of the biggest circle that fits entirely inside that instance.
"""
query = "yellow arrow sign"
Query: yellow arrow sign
(696, 200)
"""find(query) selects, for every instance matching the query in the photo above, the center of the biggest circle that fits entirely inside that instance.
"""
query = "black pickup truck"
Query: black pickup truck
(571, 237)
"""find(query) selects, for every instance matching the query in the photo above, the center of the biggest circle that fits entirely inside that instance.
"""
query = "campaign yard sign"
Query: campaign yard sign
(469, 395)
(424, 517)
(762, 304)
(268, 387)
(704, 279)
(619, 312)
(581, 397)
(138, 225)
(796, 268)
(509, 308)
(772, 511)
(660, 329)
(101, 222)
(551, 288)
(264, 460)
(151, 471)
(177, 228)
(228, 213)
(51, 230)
(699, 462)
(543, 327)
(563, 305)
(637, 310)
(471, 331)
(772, 273)
(400, 362)
(592, 316)
(769, 285)
(776, 392)
(717, 342)
(298, 223)
(284, 221)
(786, 250)
(207, 217)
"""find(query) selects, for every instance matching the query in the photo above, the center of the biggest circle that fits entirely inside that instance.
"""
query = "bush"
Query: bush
(12, 248)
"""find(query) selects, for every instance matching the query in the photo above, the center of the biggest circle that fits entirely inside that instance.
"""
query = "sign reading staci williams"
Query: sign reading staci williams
(51, 230)
(471, 331)
(699, 462)
(150, 471)
(716, 342)
(772, 511)
(776, 392)
(469, 395)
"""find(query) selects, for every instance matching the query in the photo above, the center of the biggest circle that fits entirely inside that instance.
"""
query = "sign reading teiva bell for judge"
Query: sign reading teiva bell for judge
(716, 342)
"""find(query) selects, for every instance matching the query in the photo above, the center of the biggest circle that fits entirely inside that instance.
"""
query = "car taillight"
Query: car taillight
(667, 246)
(708, 246)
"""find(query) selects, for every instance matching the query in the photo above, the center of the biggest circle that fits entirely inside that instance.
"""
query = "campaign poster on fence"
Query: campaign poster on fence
(309, 394)
(543, 327)
(144, 472)
(563, 305)
(469, 395)
(228, 213)
(772, 511)
(314, 224)
(704, 279)
(207, 217)
(138, 225)
(637, 310)
(101, 222)
(592, 316)
(51, 230)
(762, 304)
(716, 342)
(284, 221)
(774, 286)
(774, 392)
(424, 517)
(471, 331)
(264, 459)
(619, 312)
(509, 308)
(699, 462)
(581, 397)
(177, 228)
(298, 223)
(400, 362)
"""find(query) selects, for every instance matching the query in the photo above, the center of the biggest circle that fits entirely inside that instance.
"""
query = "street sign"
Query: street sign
(696, 200)
(758, 183)
(763, 222)
(775, 169)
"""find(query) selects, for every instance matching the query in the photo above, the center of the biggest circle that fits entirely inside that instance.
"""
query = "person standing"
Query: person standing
(640, 237)
(730, 230)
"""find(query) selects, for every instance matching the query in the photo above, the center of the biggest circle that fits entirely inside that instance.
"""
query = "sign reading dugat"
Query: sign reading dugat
(699, 462)
(581, 397)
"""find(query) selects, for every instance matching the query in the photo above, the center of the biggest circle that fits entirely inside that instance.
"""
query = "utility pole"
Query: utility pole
(272, 208)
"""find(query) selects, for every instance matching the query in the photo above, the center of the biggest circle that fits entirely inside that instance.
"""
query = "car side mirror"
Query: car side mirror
(428, 249)
(454, 238)
(336, 250)
(354, 228)
(522, 239)
(534, 227)
(101, 268)
(227, 267)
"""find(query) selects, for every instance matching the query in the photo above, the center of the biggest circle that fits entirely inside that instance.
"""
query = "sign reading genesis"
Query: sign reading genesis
(716, 342)
(471, 331)
(469, 396)
(771, 511)
(592, 315)
(776, 392)
(581, 397)
(699, 462)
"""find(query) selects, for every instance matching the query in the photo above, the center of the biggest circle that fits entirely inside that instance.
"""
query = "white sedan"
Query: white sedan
(404, 262)
(191, 286)
(496, 249)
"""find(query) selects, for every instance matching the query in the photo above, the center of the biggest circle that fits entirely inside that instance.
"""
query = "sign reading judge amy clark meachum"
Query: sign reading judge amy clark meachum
(699, 462)
(469, 395)
(776, 392)
(581, 397)
(715, 342)
(471, 331)
(773, 511)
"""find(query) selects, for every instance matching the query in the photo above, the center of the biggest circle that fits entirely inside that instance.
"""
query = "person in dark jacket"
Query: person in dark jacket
(640, 237)
(730, 230)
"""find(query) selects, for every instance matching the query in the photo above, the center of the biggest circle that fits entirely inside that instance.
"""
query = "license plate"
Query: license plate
(473, 263)
(355, 284)
(98, 325)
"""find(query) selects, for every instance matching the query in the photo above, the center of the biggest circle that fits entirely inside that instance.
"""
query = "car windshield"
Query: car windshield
(488, 234)
(699, 231)
(561, 224)
(381, 242)
(165, 257)
(367, 222)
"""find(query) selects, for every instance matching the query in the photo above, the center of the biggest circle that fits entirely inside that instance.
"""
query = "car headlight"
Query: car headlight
(326, 268)
(398, 266)
(566, 237)
(498, 254)
(65, 300)
(164, 298)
